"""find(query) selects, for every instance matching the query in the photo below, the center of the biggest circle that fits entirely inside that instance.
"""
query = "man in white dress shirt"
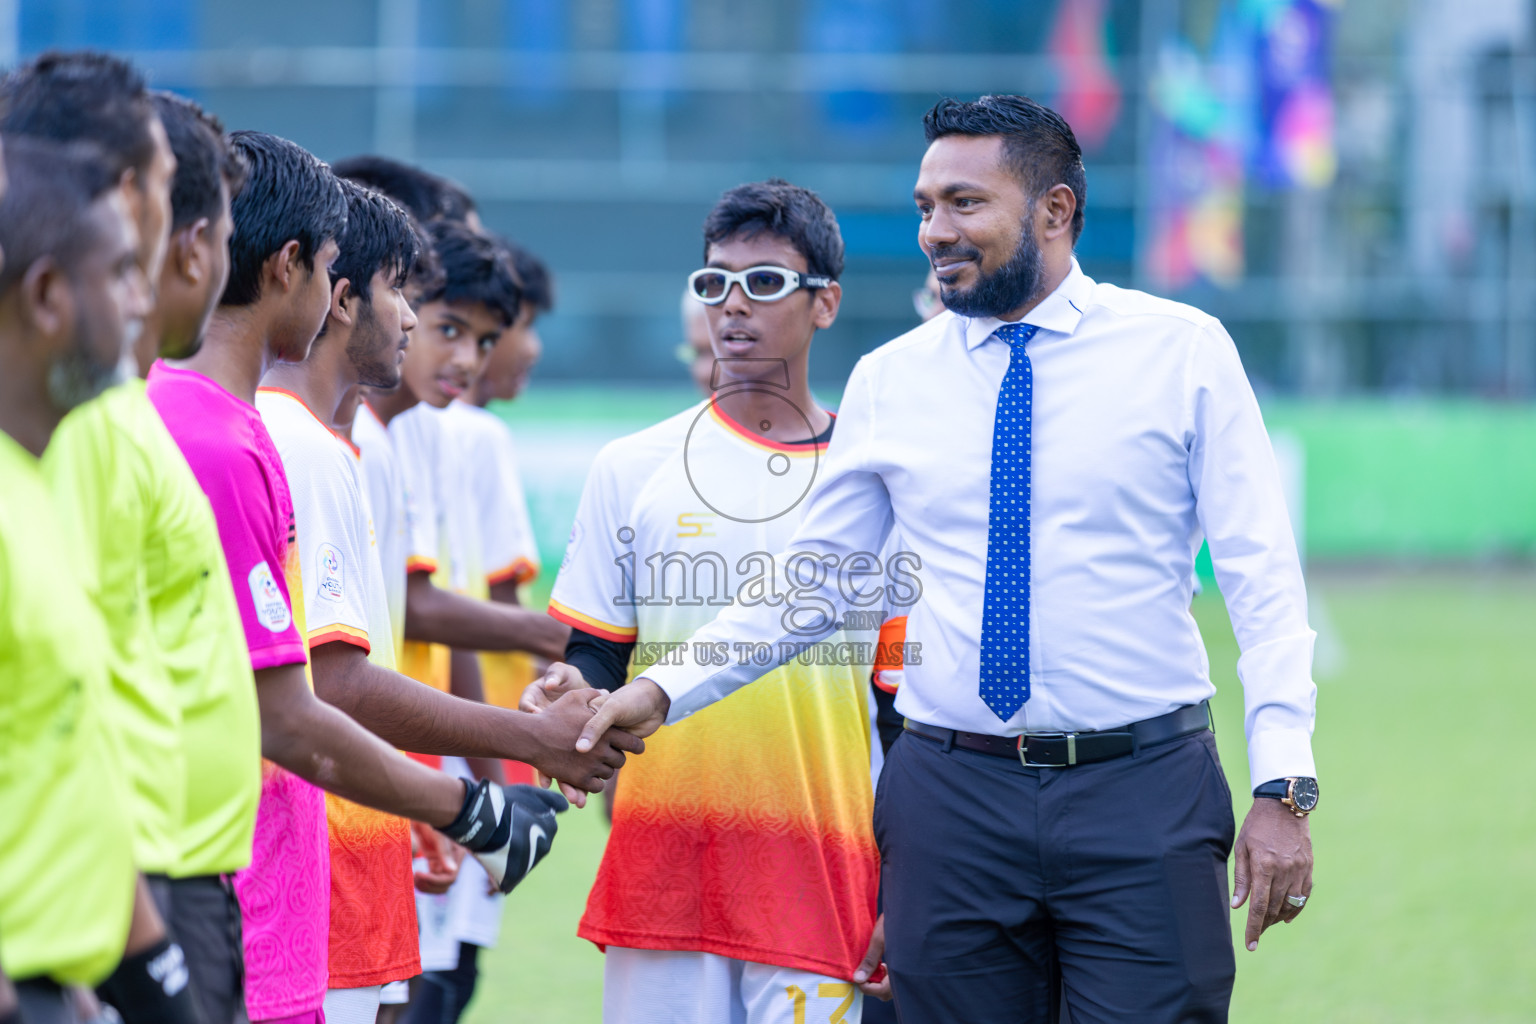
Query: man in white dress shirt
(1054, 822)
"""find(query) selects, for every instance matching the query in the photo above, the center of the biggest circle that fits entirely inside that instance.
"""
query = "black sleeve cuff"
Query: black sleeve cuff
(603, 663)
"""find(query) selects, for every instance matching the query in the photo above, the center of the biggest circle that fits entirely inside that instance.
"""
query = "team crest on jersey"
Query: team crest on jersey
(329, 586)
(271, 609)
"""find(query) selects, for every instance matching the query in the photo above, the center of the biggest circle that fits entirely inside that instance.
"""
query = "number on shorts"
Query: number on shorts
(797, 996)
(829, 990)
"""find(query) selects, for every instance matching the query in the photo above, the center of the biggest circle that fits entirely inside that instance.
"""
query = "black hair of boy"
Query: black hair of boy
(51, 187)
(1039, 144)
(475, 269)
(428, 196)
(82, 96)
(378, 236)
(533, 275)
(205, 162)
(289, 195)
(790, 212)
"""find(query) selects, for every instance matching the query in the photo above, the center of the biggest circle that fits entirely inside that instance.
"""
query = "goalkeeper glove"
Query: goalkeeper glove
(509, 829)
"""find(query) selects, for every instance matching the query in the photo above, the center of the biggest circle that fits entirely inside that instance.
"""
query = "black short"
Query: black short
(203, 916)
(44, 1002)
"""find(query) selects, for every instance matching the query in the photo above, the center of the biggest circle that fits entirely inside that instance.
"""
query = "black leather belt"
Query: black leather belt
(1062, 749)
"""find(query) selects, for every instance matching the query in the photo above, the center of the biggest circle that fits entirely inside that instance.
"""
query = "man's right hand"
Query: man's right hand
(639, 708)
(561, 726)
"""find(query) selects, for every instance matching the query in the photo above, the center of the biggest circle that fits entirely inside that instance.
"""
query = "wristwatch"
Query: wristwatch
(1297, 793)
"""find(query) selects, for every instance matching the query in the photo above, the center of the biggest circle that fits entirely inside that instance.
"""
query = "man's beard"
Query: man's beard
(375, 368)
(1006, 288)
(77, 376)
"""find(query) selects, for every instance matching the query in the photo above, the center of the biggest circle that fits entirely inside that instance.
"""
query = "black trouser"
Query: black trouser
(203, 917)
(1007, 888)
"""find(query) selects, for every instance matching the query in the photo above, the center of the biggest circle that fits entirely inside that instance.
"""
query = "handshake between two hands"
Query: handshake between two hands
(590, 731)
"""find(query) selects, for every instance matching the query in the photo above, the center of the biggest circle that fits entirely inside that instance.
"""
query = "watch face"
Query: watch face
(1304, 794)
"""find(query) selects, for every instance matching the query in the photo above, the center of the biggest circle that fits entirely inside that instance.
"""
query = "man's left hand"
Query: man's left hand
(443, 859)
(1272, 860)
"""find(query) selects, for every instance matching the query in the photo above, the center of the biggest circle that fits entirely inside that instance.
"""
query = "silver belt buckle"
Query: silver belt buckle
(1071, 738)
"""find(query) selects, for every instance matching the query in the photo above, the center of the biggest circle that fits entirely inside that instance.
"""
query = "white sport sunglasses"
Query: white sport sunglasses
(766, 283)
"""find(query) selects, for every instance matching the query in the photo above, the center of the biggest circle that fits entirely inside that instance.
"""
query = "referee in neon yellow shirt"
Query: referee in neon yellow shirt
(184, 696)
(69, 290)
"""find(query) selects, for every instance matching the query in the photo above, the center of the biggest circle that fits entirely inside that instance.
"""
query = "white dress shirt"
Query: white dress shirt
(1146, 438)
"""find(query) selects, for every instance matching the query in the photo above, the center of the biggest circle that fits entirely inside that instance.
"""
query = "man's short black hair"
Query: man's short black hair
(289, 195)
(533, 275)
(204, 160)
(378, 236)
(474, 269)
(794, 214)
(51, 188)
(82, 96)
(1038, 141)
(428, 196)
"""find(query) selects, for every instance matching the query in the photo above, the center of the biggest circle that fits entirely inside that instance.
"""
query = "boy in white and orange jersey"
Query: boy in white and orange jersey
(740, 878)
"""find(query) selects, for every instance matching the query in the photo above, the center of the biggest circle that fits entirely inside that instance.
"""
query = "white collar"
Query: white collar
(1059, 311)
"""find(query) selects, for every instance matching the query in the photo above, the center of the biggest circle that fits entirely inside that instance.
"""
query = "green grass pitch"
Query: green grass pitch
(1425, 837)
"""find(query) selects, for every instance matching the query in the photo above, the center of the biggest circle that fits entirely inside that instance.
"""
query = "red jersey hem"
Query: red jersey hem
(576, 620)
(520, 571)
(604, 937)
(399, 971)
(339, 635)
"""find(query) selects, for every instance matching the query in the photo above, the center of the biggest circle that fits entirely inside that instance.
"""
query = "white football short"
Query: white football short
(648, 986)
(352, 1005)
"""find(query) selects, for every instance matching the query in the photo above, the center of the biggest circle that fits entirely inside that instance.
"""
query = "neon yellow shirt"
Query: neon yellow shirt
(185, 695)
(66, 865)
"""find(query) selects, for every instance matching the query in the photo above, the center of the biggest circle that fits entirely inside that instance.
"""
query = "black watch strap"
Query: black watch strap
(1274, 789)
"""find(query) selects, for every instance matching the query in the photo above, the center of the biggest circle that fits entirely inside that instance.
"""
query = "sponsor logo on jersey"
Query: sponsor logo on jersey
(695, 524)
(329, 586)
(271, 609)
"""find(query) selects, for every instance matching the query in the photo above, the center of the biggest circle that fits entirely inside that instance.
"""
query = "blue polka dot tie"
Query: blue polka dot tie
(1005, 611)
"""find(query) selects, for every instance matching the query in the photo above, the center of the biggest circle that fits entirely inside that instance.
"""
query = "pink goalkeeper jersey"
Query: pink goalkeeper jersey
(285, 893)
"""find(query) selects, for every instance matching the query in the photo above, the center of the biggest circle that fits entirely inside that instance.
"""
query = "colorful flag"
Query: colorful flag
(1295, 95)
(1087, 92)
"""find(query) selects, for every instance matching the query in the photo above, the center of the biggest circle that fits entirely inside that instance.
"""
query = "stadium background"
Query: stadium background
(1351, 187)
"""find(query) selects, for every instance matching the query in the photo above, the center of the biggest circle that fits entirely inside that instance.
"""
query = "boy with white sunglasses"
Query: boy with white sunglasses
(740, 878)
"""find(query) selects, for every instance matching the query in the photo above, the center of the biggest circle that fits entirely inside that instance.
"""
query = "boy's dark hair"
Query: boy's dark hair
(533, 275)
(794, 214)
(378, 236)
(82, 97)
(204, 160)
(474, 269)
(426, 273)
(289, 195)
(428, 196)
(51, 188)
(1038, 142)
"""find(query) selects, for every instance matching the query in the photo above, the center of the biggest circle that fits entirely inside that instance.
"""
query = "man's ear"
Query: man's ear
(1055, 212)
(46, 299)
(827, 300)
(343, 302)
(188, 251)
(283, 267)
